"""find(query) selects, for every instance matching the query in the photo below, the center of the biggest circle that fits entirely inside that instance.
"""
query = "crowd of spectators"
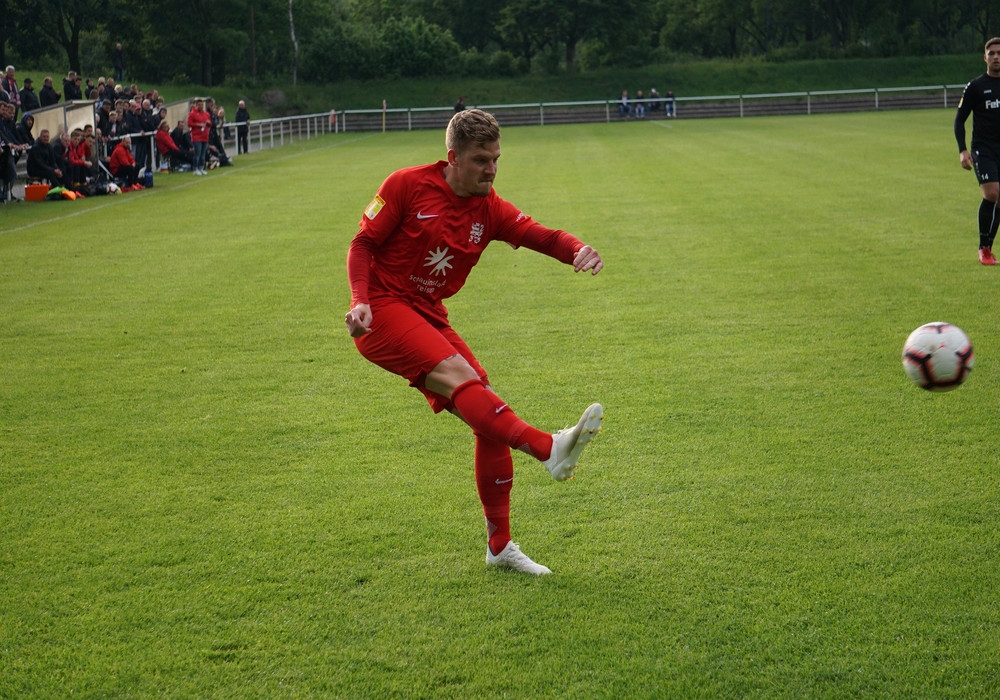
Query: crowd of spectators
(638, 106)
(124, 115)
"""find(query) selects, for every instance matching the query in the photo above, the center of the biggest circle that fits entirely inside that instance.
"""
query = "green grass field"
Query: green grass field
(206, 492)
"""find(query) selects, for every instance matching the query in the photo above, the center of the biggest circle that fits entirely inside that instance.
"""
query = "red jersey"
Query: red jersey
(419, 240)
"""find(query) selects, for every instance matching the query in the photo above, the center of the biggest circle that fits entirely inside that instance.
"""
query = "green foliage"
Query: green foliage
(369, 39)
(208, 493)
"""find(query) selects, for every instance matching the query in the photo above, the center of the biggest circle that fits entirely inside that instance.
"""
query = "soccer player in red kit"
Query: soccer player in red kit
(418, 240)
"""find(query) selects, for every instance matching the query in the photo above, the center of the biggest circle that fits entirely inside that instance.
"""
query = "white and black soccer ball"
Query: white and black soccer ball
(938, 356)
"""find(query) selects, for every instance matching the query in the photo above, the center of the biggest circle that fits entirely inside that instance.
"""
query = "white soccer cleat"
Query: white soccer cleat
(513, 558)
(569, 443)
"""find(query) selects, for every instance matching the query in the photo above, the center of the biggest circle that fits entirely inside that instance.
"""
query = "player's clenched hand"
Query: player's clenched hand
(965, 158)
(587, 259)
(358, 320)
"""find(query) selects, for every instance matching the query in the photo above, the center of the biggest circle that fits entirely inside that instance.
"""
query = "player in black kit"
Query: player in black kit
(982, 99)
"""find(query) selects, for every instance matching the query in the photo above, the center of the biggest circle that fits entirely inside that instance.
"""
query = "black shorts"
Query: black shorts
(986, 165)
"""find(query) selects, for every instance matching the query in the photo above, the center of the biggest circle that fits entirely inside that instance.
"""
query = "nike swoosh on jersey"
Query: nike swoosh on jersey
(421, 216)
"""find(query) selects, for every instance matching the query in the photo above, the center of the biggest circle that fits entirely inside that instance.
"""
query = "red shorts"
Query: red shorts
(406, 343)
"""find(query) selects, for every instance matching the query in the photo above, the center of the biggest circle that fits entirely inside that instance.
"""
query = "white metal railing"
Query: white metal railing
(278, 131)
(735, 105)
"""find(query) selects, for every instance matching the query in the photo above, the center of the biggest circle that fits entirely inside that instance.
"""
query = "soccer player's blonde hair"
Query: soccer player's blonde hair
(471, 127)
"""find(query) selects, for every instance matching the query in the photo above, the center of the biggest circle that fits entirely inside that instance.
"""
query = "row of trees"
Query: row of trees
(208, 41)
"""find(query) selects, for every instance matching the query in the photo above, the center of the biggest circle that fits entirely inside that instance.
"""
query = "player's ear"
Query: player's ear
(452, 157)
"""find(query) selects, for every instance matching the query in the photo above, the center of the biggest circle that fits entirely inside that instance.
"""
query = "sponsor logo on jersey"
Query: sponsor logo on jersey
(421, 216)
(439, 261)
(375, 207)
(992, 104)
(476, 234)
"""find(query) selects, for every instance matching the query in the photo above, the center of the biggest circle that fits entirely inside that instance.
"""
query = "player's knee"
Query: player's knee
(450, 374)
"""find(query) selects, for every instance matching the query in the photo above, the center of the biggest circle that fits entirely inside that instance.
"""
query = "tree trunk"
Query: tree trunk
(295, 45)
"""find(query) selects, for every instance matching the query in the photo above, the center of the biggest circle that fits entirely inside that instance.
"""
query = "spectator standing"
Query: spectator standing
(71, 87)
(118, 62)
(10, 150)
(29, 100)
(48, 95)
(9, 85)
(460, 105)
(671, 110)
(200, 123)
(242, 128)
(216, 148)
(103, 116)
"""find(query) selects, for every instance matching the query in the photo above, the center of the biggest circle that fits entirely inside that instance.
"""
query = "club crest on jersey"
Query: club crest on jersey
(476, 234)
(375, 207)
(439, 261)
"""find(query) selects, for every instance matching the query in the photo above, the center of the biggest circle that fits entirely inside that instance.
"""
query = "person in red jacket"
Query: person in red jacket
(79, 166)
(123, 165)
(200, 123)
(166, 146)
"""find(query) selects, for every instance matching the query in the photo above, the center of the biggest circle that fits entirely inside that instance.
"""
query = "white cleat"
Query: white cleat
(513, 558)
(569, 443)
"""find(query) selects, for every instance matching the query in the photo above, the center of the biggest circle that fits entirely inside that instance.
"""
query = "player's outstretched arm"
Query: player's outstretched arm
(359, 320)
(587, 259)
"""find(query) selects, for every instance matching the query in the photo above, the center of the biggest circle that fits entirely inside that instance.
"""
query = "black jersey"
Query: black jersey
(981, 99)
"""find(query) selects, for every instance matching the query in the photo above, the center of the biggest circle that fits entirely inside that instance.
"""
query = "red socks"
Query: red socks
(494, 480)
(490, 417)
(497, 429)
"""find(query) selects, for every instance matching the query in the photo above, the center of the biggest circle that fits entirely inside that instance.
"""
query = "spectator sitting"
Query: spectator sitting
(654, 100)
(42, 161)
(88, 154)
(48, 95)
(24, 127)
(168, 150)
(61, 151)
(123, 165)
(640, 105)
(181, 137)
(623, 107)
(78, 165)
(29, 100)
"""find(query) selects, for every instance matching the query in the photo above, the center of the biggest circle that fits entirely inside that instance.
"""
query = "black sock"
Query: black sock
(994, 224)
(987, 223)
